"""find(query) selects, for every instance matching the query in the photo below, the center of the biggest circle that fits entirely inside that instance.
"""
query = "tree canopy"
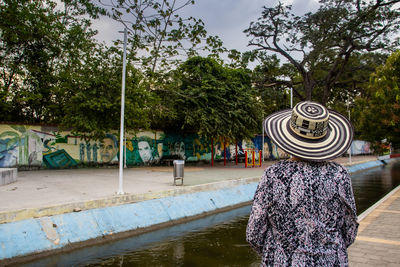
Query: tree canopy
(319, 45)
(378, 110)
(53, 70)
(207, 98)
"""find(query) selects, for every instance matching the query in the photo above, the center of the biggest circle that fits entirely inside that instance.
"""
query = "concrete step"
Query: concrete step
(8, 175)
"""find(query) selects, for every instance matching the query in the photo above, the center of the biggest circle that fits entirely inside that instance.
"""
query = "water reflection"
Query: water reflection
(217, 240)
(372, 185)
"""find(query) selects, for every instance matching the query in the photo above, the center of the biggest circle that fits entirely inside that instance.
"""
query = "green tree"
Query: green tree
(354, 82)
(93, 94)
(207, 98)
(27, 51)
(272, 82)
(378, 110)
(37, 37)
(326, 38)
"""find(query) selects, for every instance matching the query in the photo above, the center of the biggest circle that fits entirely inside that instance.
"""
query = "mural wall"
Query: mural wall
(359, 147)
(47, 147)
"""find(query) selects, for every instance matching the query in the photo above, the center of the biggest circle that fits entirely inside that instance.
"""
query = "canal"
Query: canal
(217, 240)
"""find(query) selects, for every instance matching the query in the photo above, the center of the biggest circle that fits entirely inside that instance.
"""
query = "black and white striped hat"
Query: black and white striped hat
(310, 131)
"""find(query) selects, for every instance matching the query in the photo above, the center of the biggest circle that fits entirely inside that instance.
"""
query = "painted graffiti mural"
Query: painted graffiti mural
(47, 147)
(19, 146)
(359, 147)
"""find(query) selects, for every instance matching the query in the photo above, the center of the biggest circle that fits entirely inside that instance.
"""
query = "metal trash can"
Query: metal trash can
(178, 170)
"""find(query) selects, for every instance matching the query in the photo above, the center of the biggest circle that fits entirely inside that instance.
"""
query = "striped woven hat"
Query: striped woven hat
(310, 131)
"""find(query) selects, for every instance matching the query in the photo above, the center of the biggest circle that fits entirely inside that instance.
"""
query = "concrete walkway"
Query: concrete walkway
(50, 192)
(378, 239)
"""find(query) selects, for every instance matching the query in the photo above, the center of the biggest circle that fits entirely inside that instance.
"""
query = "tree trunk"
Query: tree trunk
(308, 86)
(325, 96)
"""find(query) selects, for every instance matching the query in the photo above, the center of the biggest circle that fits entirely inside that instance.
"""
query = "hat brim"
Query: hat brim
(334, 144)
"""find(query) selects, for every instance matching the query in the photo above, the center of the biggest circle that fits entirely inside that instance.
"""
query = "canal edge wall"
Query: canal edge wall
(25, 239)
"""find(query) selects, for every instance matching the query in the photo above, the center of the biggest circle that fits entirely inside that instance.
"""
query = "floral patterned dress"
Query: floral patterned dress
(303, 214)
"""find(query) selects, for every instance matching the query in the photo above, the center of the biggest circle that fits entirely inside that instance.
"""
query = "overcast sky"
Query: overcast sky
(225, 18)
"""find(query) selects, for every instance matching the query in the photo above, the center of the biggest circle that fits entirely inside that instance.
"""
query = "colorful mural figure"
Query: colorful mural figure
(59, 159)
(8, 150)
(81, 152)
(95, 147)
(89, 152)
(109, 149)
(145, 151)
(359, 147)
(19, 146)
(142, 151)
(179, 149)
(55, 158)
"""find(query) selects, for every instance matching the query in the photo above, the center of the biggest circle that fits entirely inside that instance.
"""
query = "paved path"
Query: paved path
(378, 239)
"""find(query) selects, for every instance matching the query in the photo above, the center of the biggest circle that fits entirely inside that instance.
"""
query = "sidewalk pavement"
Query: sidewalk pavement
(378, 238)
(50, 192)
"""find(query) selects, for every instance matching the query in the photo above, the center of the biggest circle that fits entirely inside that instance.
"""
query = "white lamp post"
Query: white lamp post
(348, 110)
(121, 137)
(291, 97)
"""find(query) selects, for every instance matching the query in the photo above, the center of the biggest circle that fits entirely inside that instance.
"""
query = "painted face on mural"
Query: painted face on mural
(108, 150)
(232, 150)
(145, 151)
(179, 149)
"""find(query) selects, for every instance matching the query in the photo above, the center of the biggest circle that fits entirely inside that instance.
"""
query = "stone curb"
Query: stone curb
(24, 214)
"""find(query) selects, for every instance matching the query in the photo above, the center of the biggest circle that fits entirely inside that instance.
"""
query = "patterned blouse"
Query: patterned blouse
(303, 214)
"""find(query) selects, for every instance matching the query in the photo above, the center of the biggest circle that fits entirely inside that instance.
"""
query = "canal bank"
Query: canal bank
(205, 191)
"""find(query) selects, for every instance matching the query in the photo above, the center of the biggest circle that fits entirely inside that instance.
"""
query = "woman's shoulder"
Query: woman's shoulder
(337, 166)
(289, 164)
(282, 166)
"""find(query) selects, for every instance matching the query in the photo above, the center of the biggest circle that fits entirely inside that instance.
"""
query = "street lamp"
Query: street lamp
(348, 110)
(291, 97)
(121, 136)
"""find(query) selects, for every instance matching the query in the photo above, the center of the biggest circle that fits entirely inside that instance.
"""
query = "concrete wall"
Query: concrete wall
(8, 175)
(43, 234)
(48, 147)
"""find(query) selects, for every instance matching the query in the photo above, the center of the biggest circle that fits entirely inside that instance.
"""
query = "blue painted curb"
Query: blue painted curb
(366, 165)
(33, 236)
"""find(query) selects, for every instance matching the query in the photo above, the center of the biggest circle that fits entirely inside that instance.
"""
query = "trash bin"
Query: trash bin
(178, 170)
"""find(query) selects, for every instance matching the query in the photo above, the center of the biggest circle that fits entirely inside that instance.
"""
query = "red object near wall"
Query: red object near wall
(212, 152)
(236, 153)
(224, 152)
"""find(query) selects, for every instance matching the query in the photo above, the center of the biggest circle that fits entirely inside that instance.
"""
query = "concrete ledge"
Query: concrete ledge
(366, 165)
(24, 214)
(8, 175)
(32, 236)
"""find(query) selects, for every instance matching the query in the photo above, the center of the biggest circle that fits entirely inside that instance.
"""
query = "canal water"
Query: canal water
(217, 240)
